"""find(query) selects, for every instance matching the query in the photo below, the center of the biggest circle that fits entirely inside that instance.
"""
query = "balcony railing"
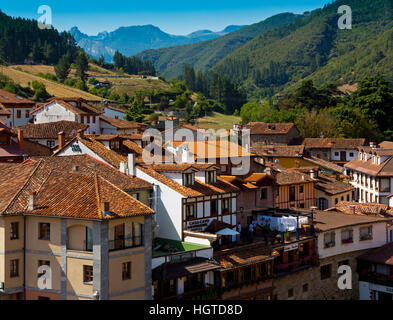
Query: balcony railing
(126, 243)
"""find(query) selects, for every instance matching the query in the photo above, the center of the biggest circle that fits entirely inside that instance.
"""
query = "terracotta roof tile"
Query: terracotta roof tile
(198, 189)
(279, 151)
(325, 164)
(269, 128)
(330, 220)
(383, 169)
(123, 124)
(9, 100)
(81, 108)
(333, 143)
(367, 209)
(51, 130)
(244, 255)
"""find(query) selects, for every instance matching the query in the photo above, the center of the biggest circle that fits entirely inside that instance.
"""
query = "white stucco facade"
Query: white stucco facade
(379, 238)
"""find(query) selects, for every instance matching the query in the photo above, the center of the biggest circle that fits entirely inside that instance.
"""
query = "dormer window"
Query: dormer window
(211, 177)
(188, 179)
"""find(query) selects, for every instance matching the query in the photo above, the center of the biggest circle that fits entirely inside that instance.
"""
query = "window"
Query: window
(44, 231)
(88, 119)
(126, 271)
(88, 274)
(305, 287)
(14, 268)
(14, 231)
(366, 233)
(94, 119)
(290, 293)
(27, 114)
(326, 271)
(136, 196)
(50, 143)
(225, 206)
(188, 179)
(292, 194)
(301, 189)
(18, 114)
(264, 194)
(384, 184)
(190, 211)
(42, 263)
(330, 239)
(348, 198)
(210, 177)
(347, 236)
(351, 154)
(336, 154)
(336, 201)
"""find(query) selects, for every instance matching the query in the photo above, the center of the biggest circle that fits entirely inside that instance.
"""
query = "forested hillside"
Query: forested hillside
(314, 47)
(21, 40)
(204, 55)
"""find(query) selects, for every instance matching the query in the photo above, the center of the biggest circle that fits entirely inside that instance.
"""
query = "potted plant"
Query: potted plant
(287, 235)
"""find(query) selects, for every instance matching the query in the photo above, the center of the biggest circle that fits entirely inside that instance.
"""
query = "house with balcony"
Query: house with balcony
(375, 269)
(14, 109)
(189, 199)
(93, 238)
(371, 173)
(337, 150)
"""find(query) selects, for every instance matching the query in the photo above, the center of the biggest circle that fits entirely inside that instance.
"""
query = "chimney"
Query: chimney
(123, 167)
(314, 174)
(32, 200)
(20, 139)
(61, 138)
(75, 168)
(80, 133)
(131, 164)
(105, 207)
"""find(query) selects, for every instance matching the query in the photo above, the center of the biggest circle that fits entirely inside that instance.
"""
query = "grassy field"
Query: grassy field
(218, 121)
(53, 88)
(125, 83)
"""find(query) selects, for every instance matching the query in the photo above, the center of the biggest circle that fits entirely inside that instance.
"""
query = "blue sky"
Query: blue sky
(173, 16)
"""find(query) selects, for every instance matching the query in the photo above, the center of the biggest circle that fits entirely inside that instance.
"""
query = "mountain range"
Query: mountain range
(134, 39)
(275, 54)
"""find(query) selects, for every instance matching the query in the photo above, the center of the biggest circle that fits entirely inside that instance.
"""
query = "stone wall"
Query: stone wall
(307, 284)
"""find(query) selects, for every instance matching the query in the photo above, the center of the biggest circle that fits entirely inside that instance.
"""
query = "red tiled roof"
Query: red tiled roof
(51, 130)
(123, 124)
(364, 209)
(244, 255)
(279, 151)
(269, 128)
(198, 189)
(62, 193)
(333, 143)
(291, 176)
(325, 164)
(330, 220)
(383, 169)
(9, 100)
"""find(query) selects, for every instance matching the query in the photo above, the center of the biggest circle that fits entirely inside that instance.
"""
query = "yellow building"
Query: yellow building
(72, 234)
(285, 156)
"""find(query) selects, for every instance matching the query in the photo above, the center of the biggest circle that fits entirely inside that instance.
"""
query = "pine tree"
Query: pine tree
(82, 65)
(63, 69)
